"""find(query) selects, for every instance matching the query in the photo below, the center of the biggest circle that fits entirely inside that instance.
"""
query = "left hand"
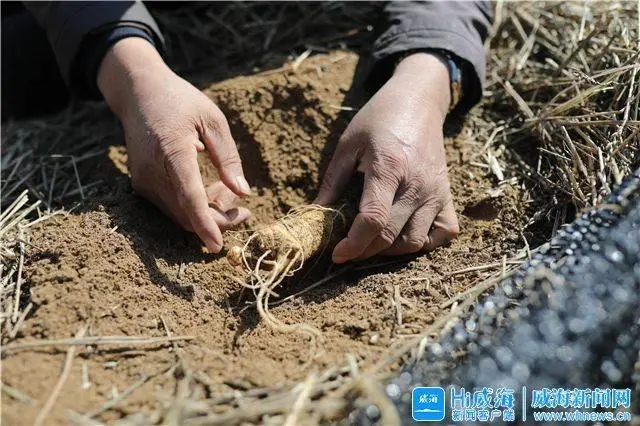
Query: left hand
(396, 140)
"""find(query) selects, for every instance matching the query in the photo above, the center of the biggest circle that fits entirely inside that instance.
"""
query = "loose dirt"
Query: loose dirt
(122, 268)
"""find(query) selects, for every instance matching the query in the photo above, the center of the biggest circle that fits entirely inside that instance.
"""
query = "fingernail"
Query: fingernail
(243, 185)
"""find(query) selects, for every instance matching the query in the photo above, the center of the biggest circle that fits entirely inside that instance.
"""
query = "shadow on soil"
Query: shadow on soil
(156, 238)
(339, 279)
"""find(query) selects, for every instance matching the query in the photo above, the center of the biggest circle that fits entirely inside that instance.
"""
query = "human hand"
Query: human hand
(396, 140)
(166, 123)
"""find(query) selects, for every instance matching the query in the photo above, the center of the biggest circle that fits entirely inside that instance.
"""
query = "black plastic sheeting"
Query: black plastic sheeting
(568, 318)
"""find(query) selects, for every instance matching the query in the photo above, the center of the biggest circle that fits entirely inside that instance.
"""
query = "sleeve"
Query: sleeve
(458, 27)
(68, 23)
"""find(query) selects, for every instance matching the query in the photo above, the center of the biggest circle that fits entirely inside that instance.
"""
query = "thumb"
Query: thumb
(224, 154)
(337, 176)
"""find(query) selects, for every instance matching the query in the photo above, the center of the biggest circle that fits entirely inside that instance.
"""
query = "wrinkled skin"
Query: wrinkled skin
(166, 123)
(396, 140)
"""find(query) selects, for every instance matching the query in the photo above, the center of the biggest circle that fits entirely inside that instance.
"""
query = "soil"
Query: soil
(122, 268)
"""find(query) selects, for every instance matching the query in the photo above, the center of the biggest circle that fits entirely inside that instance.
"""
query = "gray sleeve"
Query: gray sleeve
(459, 27)
(67, 23)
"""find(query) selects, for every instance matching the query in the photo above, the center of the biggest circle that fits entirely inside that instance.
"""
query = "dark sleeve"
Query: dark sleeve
(459, 27)
(68, 23)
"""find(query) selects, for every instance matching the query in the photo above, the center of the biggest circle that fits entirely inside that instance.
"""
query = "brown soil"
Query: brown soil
(121, 267)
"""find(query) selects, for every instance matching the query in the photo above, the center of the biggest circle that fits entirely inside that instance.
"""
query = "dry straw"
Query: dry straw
(560, 116)
(14, 238)
(561, 109)
(560, 119)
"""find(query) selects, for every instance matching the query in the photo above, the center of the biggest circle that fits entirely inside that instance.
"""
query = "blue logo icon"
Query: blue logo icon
(427, 404)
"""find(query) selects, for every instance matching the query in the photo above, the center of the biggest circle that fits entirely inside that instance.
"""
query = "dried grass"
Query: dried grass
(57, 173)
(15, 220)
(247, 34)
(562, 101)
(560, 119)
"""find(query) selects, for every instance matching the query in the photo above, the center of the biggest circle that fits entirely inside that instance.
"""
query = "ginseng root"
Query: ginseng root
(276, 251)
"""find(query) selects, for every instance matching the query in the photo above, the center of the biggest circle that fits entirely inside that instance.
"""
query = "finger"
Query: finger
(238, 215)
(220, 196)
(184, 174)
(375, 205)
(401, 212)
(413, 237)
(230, 218)
(224, 154)
(445, 228)
(341, 167)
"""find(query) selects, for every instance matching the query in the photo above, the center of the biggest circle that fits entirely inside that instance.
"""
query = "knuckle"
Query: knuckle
(182, 199)
(442, 188)
(172, 160)
(168, 149)
(391, 165)
(216, 116)
(184, 202)
(352, 137)
(216, 122)
(414, 246)
(375, 217)
(326, 186)
(140, 182)
(405, 244)
(387, 237)
(231, 160)
(435, 201)
(188, 199)
(344, 140)
(393, 158)
(416, 189)
(414, 242)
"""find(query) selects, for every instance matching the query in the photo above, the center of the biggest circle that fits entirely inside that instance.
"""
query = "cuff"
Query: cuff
(468, 55)
(73, 22)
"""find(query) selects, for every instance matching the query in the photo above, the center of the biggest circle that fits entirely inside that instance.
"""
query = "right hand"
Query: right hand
(396, 140)
(166, 123)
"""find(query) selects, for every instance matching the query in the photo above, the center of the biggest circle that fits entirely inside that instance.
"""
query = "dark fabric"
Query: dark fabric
(68, 23)
(78, 31)
(459, 27)
(93, 49)
(31, 82)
